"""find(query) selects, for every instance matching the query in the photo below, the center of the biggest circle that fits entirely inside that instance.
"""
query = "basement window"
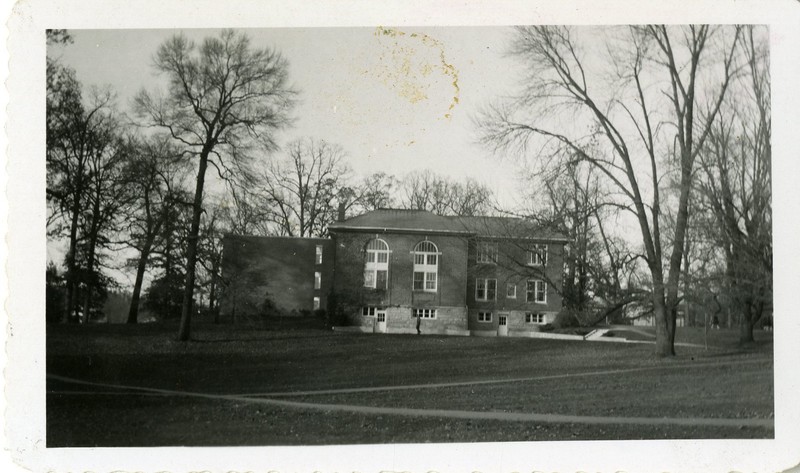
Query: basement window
(370, 311)
(425, 313)
(484, 316)
(534, 318)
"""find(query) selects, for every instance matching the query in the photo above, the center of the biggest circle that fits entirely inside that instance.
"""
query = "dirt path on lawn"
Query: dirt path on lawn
(440, 413)
(457, 384)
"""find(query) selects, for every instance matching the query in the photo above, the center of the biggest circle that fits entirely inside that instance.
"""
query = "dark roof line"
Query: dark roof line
(417, 221)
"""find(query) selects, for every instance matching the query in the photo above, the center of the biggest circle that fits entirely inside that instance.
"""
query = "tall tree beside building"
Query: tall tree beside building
(224, 102)
(648, 113)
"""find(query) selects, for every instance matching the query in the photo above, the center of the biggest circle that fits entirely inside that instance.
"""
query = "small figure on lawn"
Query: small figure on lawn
(715, 322)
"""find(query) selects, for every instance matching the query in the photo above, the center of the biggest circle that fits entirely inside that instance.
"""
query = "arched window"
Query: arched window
(376, 266)
(426, 266)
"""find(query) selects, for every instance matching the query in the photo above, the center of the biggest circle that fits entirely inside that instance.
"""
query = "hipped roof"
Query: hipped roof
(422, 221)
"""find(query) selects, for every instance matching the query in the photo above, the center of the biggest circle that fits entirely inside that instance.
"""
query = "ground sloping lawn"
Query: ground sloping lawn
(279, 361)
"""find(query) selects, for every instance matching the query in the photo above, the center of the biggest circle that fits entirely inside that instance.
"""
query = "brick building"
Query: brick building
(398, 271)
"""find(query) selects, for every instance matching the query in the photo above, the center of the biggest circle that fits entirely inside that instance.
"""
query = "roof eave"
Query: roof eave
(415, 231)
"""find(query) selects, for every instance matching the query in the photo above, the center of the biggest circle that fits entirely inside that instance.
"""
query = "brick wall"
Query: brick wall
(451, 279)
(512, 269)
(255, 269)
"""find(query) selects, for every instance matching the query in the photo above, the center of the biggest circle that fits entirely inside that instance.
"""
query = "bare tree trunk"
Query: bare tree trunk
(191, 251)
(91, 278)
(72, 282)
(665, 322)
(133, 312)
(746, 326)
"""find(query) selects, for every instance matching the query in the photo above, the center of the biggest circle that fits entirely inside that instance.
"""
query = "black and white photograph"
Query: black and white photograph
(514, 243)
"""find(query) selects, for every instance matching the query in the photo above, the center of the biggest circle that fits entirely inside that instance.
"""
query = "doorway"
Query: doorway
(380, 316)
(502, 325)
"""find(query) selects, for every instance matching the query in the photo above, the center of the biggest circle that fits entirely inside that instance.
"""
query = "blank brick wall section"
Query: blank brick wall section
(284, 270)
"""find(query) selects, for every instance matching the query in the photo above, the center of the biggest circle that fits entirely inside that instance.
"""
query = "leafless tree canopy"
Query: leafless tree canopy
(224, 100)
(638, 105)
(424, 190)
(300, 193)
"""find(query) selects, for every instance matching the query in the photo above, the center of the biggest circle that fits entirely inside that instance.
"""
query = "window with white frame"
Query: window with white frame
(376, 267)
(487, 252)
(426, 266)
(425, 313)
(484, 316)
(485, 289)
(511, 291)
(537, 291)
(537, 256)
(534, 318)
(316, 303)
(318, 259)
(317, 280)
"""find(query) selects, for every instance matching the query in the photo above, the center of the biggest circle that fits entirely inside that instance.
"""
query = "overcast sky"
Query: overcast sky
(395, 102)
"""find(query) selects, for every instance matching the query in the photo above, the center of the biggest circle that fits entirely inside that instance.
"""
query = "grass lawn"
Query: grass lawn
(725, 381)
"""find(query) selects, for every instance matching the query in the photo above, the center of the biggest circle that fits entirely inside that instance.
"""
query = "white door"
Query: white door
(381, 318)
(502, 325)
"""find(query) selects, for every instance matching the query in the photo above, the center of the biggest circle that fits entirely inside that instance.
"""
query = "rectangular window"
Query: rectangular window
(369, 278)
(419, 258)
(536, 291)
(419, 281)
(430, 281)
(487, 252)
(382, 279)
(316, 303)
(319, 254)
(368, 311)
(511, 291)
(485, 289)
(484, 316)
(383, 257)
(317, 280)
(425, 313)
(534, 318)
(424, 281)
(538, 255)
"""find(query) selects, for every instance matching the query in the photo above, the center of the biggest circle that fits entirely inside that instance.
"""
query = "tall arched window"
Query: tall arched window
(376, 267)
(426, 266)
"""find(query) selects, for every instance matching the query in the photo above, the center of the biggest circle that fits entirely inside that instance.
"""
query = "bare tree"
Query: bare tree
(376, 191)
(154, 173)
(225, 99)
(649, 116)
(425, 190)
(107, 195)
(736, 165)
(300, 192)
(83, 150)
